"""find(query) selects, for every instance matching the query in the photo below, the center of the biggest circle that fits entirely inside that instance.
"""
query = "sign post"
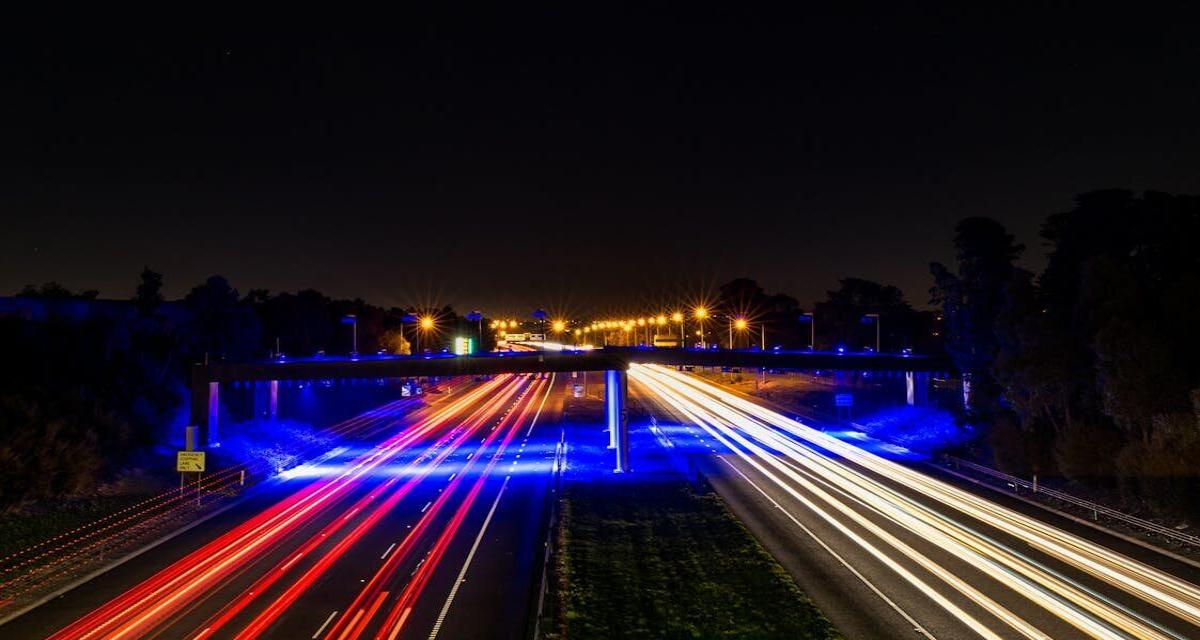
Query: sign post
(190, 462)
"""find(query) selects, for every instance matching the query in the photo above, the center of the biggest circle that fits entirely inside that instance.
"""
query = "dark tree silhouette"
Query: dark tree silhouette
(840, 317)
(971, 299)
(149, 292)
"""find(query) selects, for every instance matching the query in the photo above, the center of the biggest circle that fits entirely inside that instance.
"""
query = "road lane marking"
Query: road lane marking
(916, 625)
(389, 550)
(325, 624)
(462, 574)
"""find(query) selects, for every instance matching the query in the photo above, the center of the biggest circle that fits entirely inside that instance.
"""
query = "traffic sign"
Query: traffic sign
(189, 461)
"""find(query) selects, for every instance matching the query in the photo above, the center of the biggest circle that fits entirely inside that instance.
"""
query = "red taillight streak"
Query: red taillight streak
(301, 584)
(166, 503)
(131, 602)
(408, 597)
(353, 628)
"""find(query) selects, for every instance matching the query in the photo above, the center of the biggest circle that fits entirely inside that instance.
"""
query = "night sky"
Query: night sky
(575, 160)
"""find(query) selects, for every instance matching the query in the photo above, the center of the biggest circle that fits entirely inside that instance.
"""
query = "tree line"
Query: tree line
(1090, 369)
(90, 386)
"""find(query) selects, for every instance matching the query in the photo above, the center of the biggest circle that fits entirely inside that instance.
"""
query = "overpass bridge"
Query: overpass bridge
(613, 362)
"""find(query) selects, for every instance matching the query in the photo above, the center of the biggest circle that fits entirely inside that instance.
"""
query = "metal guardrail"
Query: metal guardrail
(1096, 508)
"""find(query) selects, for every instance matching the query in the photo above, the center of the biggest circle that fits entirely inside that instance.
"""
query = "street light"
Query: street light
(352, 319)
(700, 314)
(812, 331)
(477, 317)
(424, 325)
(740, 325)
(678, 317)
(877, 323)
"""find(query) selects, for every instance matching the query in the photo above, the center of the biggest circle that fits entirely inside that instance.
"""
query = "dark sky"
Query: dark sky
(574, 160)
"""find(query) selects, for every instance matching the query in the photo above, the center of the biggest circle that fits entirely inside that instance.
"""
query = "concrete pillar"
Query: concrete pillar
(198, 415)
(274, 410)
(214, 413)
(616, 388)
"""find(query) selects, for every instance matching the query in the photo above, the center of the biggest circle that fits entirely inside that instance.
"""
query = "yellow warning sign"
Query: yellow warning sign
(189, 461)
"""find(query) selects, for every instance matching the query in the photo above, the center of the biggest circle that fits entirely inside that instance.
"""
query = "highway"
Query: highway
(406, 536)
(888, 551)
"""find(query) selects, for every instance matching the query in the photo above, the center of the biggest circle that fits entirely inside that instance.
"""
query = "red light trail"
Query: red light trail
(175, 588)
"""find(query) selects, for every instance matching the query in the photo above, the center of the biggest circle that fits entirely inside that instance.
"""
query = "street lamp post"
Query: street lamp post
(739, 324)
(425, 324)
(701, 313)
(408, 317)
(477, 316)
(678, 317)
(812, 331)
(353, 318)
(877, 323)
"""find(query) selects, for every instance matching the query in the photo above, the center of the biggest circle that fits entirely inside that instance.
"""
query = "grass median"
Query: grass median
(663, 560)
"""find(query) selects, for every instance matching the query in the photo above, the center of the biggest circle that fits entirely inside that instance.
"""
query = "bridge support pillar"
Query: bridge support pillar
(616, 388)
(917, 387)
(274, 403)
(205, 407)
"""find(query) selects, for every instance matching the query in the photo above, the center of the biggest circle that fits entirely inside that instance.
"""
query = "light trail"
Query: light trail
(169, 591)
(400, 610)
(261, 622)
(353, 626)
(55, 557)
(785, 452)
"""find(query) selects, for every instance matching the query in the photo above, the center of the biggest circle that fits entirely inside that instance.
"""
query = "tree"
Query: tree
(741, 296)
(392, 341)
(222, 326)
(840, 317)
(149, 292)
(54, 290)
(971, 299)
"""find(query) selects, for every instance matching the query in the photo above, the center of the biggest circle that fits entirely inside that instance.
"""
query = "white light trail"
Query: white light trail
(844, 495)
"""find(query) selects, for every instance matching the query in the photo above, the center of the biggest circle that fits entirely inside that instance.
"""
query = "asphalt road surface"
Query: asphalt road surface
(888, 551)
(434, 529)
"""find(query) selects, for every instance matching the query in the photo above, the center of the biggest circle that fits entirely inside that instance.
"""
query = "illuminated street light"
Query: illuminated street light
(701, 313)
(735, 323)
(424, 324)
(678, 317)
(558, 326)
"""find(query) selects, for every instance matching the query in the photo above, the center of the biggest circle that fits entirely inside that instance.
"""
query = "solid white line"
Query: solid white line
(462, 574)
(916, 626)
(389, 550)
(322, 627)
